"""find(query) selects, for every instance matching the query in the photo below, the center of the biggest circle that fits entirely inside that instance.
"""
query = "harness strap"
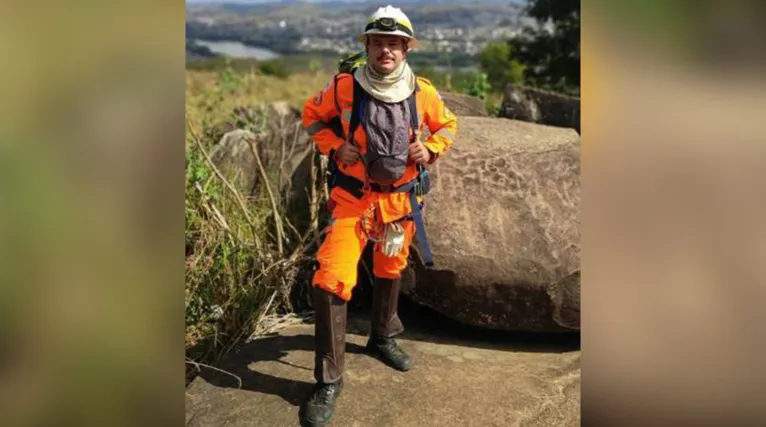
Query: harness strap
(355, 187)
(420, 229)
(412, 100)
(414, 114)
(417, 187)
(357, 109)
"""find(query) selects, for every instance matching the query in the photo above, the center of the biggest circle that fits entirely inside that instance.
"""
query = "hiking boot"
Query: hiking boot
(389, 352)
(386, 324)
(320, 406)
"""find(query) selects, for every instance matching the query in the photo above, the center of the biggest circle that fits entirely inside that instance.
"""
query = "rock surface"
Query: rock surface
(464, 105)
(502, 221)
(539, 106)
(283, 146)
(234, 159)
(459, 378)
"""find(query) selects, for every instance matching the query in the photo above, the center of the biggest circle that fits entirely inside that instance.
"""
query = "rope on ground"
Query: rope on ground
(273, 323)
(197, 364)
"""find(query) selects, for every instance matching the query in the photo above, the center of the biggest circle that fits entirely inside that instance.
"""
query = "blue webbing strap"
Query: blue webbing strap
(420, 229)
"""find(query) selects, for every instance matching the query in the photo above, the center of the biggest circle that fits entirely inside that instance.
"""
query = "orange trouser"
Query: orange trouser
(339, 255)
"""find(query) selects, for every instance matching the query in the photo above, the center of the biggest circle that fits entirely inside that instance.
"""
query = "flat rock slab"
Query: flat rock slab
(466, 378)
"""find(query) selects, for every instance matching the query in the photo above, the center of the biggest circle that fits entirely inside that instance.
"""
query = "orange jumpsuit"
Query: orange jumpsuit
(339, 254)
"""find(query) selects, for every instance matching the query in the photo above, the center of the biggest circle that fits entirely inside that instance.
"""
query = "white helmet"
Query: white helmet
(390, 20)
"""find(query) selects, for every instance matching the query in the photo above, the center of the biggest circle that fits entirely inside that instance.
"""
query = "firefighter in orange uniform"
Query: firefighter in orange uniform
(378, 183)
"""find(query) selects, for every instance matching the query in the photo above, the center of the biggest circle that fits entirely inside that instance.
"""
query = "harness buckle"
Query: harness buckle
(366, 188)
(418, 188)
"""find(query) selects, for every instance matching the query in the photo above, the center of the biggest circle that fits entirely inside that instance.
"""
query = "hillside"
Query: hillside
(212, 95)
(451, 28)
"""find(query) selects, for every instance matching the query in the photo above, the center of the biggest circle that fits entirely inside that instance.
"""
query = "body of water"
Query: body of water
(236, 49)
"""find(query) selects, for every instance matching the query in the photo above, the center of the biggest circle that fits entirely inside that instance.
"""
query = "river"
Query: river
(237, 49)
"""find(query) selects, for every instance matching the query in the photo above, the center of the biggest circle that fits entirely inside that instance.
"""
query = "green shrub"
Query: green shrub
(495, 60)
(274, 68)
(228, 79)
(480, 86)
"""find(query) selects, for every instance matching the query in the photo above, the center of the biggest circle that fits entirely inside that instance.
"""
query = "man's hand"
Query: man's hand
(348, 154)
(419, 153)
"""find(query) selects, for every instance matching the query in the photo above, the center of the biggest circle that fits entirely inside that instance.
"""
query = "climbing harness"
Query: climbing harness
(418, 187)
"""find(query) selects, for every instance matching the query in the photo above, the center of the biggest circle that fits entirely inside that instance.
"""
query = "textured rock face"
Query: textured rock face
(502, 219)
(502, 222)
(464, 105)
(538, 106)
(282, 148)
(234, 159)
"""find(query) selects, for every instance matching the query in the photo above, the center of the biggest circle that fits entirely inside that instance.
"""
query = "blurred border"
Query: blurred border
(91, 132)
(673, 207)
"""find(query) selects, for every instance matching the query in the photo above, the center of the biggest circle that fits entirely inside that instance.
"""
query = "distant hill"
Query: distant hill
(342, 3)
(452, 32)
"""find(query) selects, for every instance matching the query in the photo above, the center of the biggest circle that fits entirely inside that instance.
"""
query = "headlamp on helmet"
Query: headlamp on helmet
(388, 24)
(389, 20)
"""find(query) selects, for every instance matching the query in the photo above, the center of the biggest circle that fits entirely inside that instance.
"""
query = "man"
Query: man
(376, 171)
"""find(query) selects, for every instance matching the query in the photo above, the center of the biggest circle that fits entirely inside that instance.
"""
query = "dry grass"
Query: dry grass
(242, 255)
(204, 100)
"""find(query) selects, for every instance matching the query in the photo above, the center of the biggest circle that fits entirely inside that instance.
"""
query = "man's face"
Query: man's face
(386, 52)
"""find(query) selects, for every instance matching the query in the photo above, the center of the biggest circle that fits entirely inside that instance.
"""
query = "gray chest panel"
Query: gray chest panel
(387, 130)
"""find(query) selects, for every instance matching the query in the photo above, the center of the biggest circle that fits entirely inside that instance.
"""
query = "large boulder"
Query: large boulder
(502, 223)
(464, 105)
(280, 142)
(539, 106)
(233, 158)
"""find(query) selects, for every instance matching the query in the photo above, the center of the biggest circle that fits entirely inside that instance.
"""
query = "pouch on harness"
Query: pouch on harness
(419, 186)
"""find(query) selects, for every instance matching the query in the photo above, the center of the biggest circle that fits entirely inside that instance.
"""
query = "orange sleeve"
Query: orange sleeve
(317, 113)
(441, 122)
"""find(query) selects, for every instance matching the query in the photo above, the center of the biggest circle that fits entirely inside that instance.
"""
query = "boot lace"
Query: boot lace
(395, 350)
(324, 394)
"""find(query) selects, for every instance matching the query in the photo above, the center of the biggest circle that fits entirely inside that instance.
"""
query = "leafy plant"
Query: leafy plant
(496, 60)
(480, 86)
(228, 79)
(550, 51)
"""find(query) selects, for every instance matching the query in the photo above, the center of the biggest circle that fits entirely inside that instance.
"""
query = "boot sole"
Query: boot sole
(305, 422)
